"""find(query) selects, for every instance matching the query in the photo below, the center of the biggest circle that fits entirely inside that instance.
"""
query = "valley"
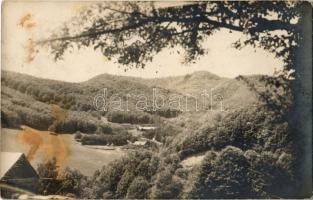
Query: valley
(87, 160)
(90, 137)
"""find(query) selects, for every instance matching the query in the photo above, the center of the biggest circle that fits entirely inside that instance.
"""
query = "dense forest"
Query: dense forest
(245, 155)
(247, 150)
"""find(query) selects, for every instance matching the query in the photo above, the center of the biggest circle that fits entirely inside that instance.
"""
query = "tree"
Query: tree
(166, 186)
(48, 174)
(133, 33)
(223, 176)
(112, 28)
(71, 182)
(138, 188)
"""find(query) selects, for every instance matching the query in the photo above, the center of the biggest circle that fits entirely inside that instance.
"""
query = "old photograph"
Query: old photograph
(156, 100)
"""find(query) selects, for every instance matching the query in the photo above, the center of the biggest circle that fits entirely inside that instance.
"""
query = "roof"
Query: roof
(140, 143)
(146, 127)
(7, 160)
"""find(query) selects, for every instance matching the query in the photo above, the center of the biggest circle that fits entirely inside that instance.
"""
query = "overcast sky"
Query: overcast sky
(80, 65)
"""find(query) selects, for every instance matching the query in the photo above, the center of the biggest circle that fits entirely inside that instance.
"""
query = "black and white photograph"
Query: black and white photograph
(156, 99)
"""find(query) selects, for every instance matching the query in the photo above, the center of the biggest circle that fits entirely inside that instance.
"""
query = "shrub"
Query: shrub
(166, 185)
(138, 188)
(71, 182)
(78, 135)
(223, 175)
(103, 139)
(119, 178)
(127, 117)
(48, 174)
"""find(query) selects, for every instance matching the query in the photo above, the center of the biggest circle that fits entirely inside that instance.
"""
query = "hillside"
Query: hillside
(24, 94)
(234, 93)
(189, 147)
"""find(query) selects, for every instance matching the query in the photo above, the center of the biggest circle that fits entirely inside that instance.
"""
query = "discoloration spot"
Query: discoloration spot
(105, 59)
(59, 115)
(30, 50)
(27, 22)
(79, 7)
(44, 142)
(31, 138)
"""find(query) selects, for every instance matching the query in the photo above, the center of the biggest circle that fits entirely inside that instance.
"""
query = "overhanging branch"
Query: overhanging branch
(261, 25)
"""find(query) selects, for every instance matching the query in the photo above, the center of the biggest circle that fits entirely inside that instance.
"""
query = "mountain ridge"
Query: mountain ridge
(79, 96)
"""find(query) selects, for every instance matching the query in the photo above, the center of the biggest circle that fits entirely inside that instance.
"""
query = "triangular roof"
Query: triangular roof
(7, 161)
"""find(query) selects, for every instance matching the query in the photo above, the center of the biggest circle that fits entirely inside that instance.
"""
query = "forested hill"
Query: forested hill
(80, 96)
(29, 99)
(233, 92)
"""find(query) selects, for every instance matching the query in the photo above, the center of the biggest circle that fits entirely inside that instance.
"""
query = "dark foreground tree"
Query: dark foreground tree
(48, 173)
(133, 33)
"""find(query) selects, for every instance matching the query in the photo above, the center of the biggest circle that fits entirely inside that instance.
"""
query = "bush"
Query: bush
(78, 135)
(127, 117)
(138, 189)
(83, 122)
(257, 129)
(271, 174)
(72, 181)
(119, 178)
(103, 139)
(48, 173)
(166, 112)
(166, 186)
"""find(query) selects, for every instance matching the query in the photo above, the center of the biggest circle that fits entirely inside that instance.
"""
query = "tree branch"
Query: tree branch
(262, 25)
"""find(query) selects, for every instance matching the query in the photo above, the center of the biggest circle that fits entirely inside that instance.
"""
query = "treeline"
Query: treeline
(140, 117)
(119, 139)
(133, 117)
(249, 128)
(19, 109)
(229, 173)
(80, 96)
(165, 112)
(83, 122)
(248, 155)
(67, 95)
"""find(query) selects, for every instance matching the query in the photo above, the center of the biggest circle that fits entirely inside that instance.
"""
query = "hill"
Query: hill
(196, 85)
(25, 95)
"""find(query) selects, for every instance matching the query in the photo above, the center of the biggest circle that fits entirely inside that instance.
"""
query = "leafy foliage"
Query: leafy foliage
(233, 173)
(138, 189)
(251, 128)
(118, 139)
(129, 117)
(54, 181)
(187, 25)
(119, 178)
(48, 174)
(260, 138)
(223, 175)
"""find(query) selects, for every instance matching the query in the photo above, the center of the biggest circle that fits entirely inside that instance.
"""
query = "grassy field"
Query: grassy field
(69, 152)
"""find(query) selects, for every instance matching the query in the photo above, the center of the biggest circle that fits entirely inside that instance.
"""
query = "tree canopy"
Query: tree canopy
(133, 33)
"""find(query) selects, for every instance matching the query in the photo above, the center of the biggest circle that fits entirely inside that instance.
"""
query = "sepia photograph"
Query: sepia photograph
(156, 99)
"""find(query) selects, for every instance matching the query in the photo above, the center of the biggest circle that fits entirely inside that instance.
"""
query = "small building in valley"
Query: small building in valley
(17, 172)
(146, 128)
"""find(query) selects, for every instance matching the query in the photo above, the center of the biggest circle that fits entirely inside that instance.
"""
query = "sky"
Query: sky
(25, 22)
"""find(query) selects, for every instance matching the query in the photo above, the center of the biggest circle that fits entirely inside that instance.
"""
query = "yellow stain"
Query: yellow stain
(27, 22)
(105, 59)
(79, 7)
